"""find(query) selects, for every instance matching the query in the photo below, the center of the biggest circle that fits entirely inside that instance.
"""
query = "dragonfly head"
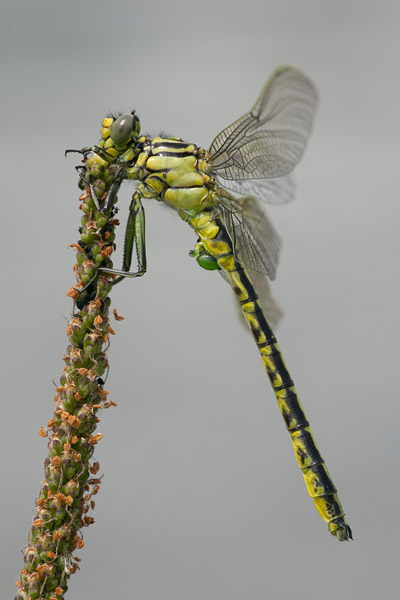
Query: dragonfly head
(125, 129)
(119, 135)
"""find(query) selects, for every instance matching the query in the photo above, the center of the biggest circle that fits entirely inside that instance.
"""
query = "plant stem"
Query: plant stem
(71, 482)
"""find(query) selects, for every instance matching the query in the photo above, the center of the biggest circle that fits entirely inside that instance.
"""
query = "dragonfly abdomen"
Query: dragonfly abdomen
(319, 484)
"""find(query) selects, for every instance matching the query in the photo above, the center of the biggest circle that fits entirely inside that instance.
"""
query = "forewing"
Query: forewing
(269, 140)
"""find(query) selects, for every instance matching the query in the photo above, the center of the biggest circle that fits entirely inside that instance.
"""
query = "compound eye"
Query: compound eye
(122, 129)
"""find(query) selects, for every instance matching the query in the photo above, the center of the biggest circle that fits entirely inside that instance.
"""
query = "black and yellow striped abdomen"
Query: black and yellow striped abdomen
(320, 486)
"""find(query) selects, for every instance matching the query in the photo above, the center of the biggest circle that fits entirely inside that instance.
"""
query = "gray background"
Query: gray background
(201, 496)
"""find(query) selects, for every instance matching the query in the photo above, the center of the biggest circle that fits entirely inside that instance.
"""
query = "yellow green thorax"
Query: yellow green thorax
(178, 173)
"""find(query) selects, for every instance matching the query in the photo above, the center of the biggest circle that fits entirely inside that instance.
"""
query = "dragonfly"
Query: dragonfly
(220, 193)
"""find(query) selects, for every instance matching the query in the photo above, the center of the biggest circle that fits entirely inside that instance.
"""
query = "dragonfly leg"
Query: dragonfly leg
(75, 151)
(80, 169)
(110, 198)
(108, 201)
(84, 151)
(102, 153)
(134, 237)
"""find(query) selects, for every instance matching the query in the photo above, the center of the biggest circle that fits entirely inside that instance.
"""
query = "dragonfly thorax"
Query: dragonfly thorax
(176, 172)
